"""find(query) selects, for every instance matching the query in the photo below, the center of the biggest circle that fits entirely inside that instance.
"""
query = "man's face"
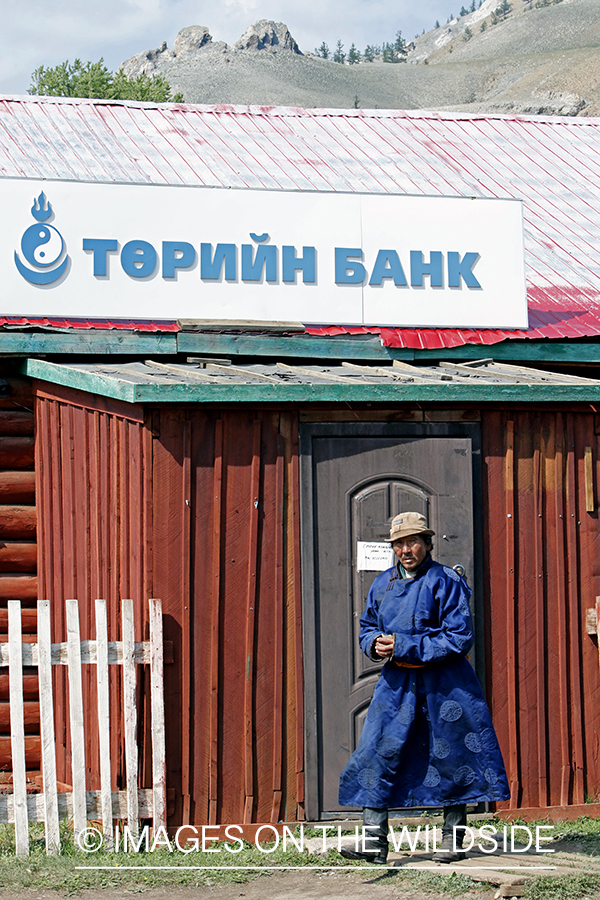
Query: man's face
(411, 551)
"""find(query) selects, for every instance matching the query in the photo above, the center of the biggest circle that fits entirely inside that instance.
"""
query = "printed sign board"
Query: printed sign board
(148, 251)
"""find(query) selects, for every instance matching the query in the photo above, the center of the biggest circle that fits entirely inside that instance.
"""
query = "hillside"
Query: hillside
(539, 59)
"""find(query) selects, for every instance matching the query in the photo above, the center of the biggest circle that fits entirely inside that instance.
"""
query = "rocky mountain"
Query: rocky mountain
(540, 56)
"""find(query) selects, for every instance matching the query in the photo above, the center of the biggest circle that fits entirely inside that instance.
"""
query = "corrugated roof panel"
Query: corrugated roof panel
(552, 163)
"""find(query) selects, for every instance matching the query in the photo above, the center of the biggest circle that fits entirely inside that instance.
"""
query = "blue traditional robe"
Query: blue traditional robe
(428, 739)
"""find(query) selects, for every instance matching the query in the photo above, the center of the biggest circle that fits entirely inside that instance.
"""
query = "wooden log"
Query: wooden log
(17, 487)
(18, 556)
(13, 422)
(18, 522)
(31, 716)
(17, 729)
(21, 394)
(28, 621)
(33, 752)
(30, 686)
(18, 587)
(16, 452)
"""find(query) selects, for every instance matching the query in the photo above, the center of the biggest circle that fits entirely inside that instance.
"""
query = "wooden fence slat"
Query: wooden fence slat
(60, 653)
(47, 729)
(129, 713)
(104, 720)
(76, 718)
(36, 810)
(17, 728)
(157, 703)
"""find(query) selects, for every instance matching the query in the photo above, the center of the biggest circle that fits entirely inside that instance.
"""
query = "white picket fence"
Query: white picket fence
(82, 805)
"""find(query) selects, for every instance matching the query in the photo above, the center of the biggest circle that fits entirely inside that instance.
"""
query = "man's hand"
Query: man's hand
(384, 646)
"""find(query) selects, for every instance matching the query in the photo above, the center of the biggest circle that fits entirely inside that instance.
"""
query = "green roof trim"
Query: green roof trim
(301, 346)
(119, 387)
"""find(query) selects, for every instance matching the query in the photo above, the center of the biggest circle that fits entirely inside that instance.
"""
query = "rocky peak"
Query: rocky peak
(191, 38)
(267, 35)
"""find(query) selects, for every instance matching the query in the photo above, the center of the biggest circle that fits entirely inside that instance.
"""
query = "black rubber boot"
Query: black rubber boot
(453, 834)
(375, 822)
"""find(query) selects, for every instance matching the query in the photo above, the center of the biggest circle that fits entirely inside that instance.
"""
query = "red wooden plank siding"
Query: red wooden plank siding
(91, 494)
(244, 590)
(543, 674)
(18, 552)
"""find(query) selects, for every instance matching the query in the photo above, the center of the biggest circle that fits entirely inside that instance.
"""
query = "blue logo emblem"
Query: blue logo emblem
(43, 247)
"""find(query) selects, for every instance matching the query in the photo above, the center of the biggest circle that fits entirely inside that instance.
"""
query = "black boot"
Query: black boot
(375, 823)
(453, 834)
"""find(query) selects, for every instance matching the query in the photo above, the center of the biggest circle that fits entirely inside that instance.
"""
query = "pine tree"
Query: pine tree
(322, 51)
(463, 12)
(400, 47)
(339, 56)
(370, 52)
(353, 56)
(483, 25)
(437, 23)
(95, 81)
(467, 34)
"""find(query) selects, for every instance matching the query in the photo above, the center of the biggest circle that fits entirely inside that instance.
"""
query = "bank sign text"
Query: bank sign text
(153, 252)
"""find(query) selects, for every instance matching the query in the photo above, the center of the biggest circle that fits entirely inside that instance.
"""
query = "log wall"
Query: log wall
(18, 551)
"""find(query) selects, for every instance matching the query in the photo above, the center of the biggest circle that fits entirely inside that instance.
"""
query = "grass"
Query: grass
(60, 872)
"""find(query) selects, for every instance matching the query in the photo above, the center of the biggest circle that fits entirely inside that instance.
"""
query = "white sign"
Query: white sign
(374, 557)
(146, 251)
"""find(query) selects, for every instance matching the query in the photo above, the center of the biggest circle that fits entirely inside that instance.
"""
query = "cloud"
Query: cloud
(49, 31)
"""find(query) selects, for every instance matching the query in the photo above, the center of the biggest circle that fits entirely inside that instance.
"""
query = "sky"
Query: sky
(46, 32)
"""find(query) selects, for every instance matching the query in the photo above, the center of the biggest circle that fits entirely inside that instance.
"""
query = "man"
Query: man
(428, 739)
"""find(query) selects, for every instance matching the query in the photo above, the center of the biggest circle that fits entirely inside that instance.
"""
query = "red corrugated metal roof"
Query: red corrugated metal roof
(552, 163)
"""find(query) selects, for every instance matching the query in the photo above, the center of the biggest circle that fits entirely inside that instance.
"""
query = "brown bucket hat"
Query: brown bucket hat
(407, 523)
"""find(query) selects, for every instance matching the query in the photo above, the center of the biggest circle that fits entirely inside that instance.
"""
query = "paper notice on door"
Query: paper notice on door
(373, 557)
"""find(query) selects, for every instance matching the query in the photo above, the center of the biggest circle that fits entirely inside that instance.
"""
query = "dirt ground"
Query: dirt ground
(279, 886)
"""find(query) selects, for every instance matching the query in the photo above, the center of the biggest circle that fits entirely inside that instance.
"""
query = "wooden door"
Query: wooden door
(356, 478)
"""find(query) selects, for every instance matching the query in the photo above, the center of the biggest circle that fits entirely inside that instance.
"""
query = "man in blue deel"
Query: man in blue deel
(428, 739)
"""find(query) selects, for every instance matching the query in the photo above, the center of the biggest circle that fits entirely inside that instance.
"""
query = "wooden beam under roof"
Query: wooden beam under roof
(182, 371)
(243, 373)
(311, 373)
(421, 375)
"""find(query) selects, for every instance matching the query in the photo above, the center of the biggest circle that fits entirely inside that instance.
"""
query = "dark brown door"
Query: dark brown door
(356, 478)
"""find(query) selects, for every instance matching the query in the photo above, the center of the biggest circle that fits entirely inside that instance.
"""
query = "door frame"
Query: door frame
(310, 618)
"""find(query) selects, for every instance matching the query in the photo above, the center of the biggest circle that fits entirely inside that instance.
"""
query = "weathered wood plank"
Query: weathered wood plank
(17, 729)
(130, 713)
(588, 474)
(60, 653)
(47, 729)
(251, 598)
(159, 768)
(232, 392)
(36, 808)
(76, 717)
(104, 719)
